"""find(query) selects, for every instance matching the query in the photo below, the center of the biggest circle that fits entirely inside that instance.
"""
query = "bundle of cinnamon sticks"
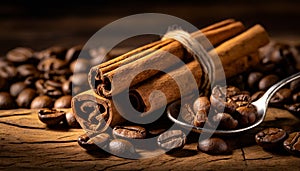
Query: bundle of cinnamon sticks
(236, 47)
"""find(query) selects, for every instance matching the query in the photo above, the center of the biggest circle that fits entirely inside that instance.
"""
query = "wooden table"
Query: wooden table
(27, 144)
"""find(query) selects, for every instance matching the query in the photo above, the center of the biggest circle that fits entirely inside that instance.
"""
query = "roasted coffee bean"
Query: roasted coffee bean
(257, 95)
(292, 144)
(281, 97)
(219, 96)
(25, 97)
(20, 54)
(41, 102)
(267, 81)
(271, 138)
(201, 103)
(241, 99)
(67, 87)
(101, 140)
(6, 101)
(27, 70)
(121, 147)
(16, 88)
(79, 79)
(52, 65)
(171, 140)
(80, 66)
(296, 97)
(71, 120)
(253, 79)
(133, 132)
(295, 85)
(225, 121)
(51, 116)
(73, 53)
(83, 141)
(200, 118)
(213, 146)
(63, 102)
(57, 51)
(246, 115)
(29, 81)
(294, 109)
(8, 70)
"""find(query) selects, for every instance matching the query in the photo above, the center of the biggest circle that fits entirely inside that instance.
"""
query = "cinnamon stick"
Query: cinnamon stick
(100, 77)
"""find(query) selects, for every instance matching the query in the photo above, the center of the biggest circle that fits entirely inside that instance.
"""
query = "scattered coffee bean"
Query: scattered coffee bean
(8, 70)
(225, 121)
(295, 85)
(67, 87)
(25, 97)
(219, 101)
(281, 97)
(267, 81)
(172, 140)
(246, 115)
(271, 138)
(80, 66)
(71, 120)
(201, 103)
(294, 109)
(73, 53)
(132, 132)
(51, 116)
(253, 79)
(41, 102)
(200, 118)
(121, 147)
(63, 102)
(6, 101)
(296, 97)
(27, 70)
(16, 88)
(83, 141)
(20, 54)
(292, 144)
(257, 95)
(213, 146)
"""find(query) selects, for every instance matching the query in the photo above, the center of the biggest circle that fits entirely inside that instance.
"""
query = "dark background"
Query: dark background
(45, 23)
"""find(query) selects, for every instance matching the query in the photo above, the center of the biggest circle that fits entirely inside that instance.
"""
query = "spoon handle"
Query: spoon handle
(272, 90)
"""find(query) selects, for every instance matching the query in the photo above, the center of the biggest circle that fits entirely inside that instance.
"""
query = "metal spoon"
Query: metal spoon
(261, 105)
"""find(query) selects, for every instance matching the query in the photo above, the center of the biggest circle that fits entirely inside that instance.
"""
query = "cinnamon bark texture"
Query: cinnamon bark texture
(95, 113)
(100, 77)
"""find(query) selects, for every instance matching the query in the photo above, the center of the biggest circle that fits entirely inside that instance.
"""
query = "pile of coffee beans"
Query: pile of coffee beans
(275, 139)
(47, 78)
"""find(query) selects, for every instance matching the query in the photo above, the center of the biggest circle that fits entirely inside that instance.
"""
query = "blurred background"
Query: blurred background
(45, 23)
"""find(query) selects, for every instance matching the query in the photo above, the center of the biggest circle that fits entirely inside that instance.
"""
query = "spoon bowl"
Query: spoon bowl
(261, 105)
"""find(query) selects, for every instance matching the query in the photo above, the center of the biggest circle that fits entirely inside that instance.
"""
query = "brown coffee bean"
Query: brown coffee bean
(292, 144)
(241, 99)
(253, 79)
(121, 147)
(63, 102)
(41, 102)
(80, 66)
(67, 87)
(27, 70)
(6, 101)
(71, 120)
(295, 85)
(267, 81)
(19, 54)
(257, 95)
(271, 138)
(213, 146)
(281, 97)
(171, 140)
(79, 79)
(225, 121)
(83, 142)
(73, 53)
(294, 109)
(51, 116)
(52, 65)
(201, 103)
(132, 132)
(200, 118)
(25, 97)
(57, 51)
(246, 115)
(94, 142)
(8, 70)
(296, 97)
(16, 88)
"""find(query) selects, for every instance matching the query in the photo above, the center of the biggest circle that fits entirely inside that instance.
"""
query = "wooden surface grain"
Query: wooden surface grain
(26, 143)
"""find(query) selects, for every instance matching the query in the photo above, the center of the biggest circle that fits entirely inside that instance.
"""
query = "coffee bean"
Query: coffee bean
(246, 115)
(79, 79)
(57, 51)
(20, 54)
(63, 102)
(295, 85)
(281, 97)
(121, 147)
(253, 79)
(6, 101)
(219, 101)
(225, 120)
(271, 138)
(267, 81)
(71, 120)
(73, 53)
(296, 97)
(83, 141)
(27, 70)
(101, 140)
(294, 109)
(200, 118)
(67, 87)
(16, 88)
(133, 132)
(52, 66)
(213, 146)
(80, 66)
(41, 102)
(8, 70)
(257, 95)
(201, 103)
(51, 116)
(171, 140)
(292, 144)
(25, 97)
